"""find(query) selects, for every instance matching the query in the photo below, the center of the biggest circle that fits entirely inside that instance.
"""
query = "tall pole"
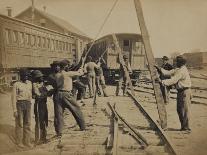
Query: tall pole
(33, 8)
(151, 62)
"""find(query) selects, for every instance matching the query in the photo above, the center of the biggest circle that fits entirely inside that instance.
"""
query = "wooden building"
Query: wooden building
(44, 19)
(196, 59)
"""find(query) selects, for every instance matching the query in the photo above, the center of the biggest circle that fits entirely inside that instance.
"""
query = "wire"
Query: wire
(101, 28)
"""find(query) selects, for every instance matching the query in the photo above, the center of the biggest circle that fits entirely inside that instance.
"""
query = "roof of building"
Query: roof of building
(60, 22)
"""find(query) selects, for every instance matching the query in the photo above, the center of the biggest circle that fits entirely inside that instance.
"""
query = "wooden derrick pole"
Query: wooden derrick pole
(121, 60)
(151, 62)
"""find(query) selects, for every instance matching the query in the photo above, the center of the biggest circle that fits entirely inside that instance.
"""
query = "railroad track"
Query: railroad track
(123, 129)
(146, 133)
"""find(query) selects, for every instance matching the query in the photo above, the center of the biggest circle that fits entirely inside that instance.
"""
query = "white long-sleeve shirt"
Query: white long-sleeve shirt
(21, 91)
(179, 76)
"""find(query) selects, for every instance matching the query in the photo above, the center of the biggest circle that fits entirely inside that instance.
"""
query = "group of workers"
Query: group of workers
(65, 83)
(62, 84)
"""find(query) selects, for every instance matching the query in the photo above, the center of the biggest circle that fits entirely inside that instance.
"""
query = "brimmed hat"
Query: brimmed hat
(64, 62)
(125, 57)
(165, 58)
(55, 63)
(24, 72)
(37, 74)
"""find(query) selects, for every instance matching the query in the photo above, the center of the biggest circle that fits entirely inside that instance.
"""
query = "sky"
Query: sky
(173, 25)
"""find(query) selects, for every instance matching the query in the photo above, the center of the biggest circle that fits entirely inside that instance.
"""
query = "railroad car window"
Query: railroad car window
(81, 45)
(69, 47)
(64, 46)
(33, 39)
(38, 41)
(21, 38)
(27, 39)
(44, 42)
(48, 43)
(14, 78)
(60, 45)
(15, 36)
(126, 42)
(56, 45)
(52, 45)
(8, 36)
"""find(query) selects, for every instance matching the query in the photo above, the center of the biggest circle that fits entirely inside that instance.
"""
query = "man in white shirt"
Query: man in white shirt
(181, 79)
(21, 103)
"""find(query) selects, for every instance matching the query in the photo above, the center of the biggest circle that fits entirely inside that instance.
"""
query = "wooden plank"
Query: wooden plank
(151, 62)
(121, 60)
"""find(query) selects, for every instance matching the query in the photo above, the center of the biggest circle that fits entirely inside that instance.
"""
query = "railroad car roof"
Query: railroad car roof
(60, 22)
(40, 27)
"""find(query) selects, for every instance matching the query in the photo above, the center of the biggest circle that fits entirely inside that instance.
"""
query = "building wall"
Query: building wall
(205, 58)
(194, 59)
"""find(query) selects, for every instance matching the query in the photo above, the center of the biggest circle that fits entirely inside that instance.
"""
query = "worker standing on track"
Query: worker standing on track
(21, 103)
(122, 77)
(165, 89)
(40, 107)
(63, 97)
(100, 80)
(90, 70)
(181, 78)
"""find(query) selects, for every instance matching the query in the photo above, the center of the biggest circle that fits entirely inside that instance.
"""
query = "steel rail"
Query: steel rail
(139, 138)
(157, 127)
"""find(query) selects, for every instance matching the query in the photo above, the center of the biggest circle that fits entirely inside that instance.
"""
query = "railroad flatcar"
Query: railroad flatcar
(130, 44)
(26, 45)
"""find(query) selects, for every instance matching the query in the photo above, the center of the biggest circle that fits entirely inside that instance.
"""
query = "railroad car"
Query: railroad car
(130, 44)
(26, 45)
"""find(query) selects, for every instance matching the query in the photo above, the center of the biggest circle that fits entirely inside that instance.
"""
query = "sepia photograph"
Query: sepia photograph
(103, 77)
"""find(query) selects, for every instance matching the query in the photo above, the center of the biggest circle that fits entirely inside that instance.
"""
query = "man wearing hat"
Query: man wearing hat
(165, 89)
(122, 77)
(181, 79)
(21, 103)
(61, 81)
(40, 107)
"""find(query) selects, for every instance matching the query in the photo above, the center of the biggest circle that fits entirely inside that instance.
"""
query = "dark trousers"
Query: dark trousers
(62, 100)
(100, 85)
(122, 79)
(81, 88)
(23, 122)
(165, 93)
(183, 104)
(41, 119)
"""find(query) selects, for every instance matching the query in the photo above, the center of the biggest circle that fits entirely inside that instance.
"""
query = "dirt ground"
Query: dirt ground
(194, 143)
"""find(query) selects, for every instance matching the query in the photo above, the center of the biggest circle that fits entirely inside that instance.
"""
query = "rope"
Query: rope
(101, 28)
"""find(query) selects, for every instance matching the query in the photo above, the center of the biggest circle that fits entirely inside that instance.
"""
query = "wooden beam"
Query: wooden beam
(121, 60)
(151, 62)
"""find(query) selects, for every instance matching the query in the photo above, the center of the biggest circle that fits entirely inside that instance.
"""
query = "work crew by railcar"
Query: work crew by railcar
(122, 78)
(40, 107)
(21, 103)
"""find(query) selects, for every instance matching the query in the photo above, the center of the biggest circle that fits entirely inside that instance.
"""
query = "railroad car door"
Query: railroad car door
(138, 56)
